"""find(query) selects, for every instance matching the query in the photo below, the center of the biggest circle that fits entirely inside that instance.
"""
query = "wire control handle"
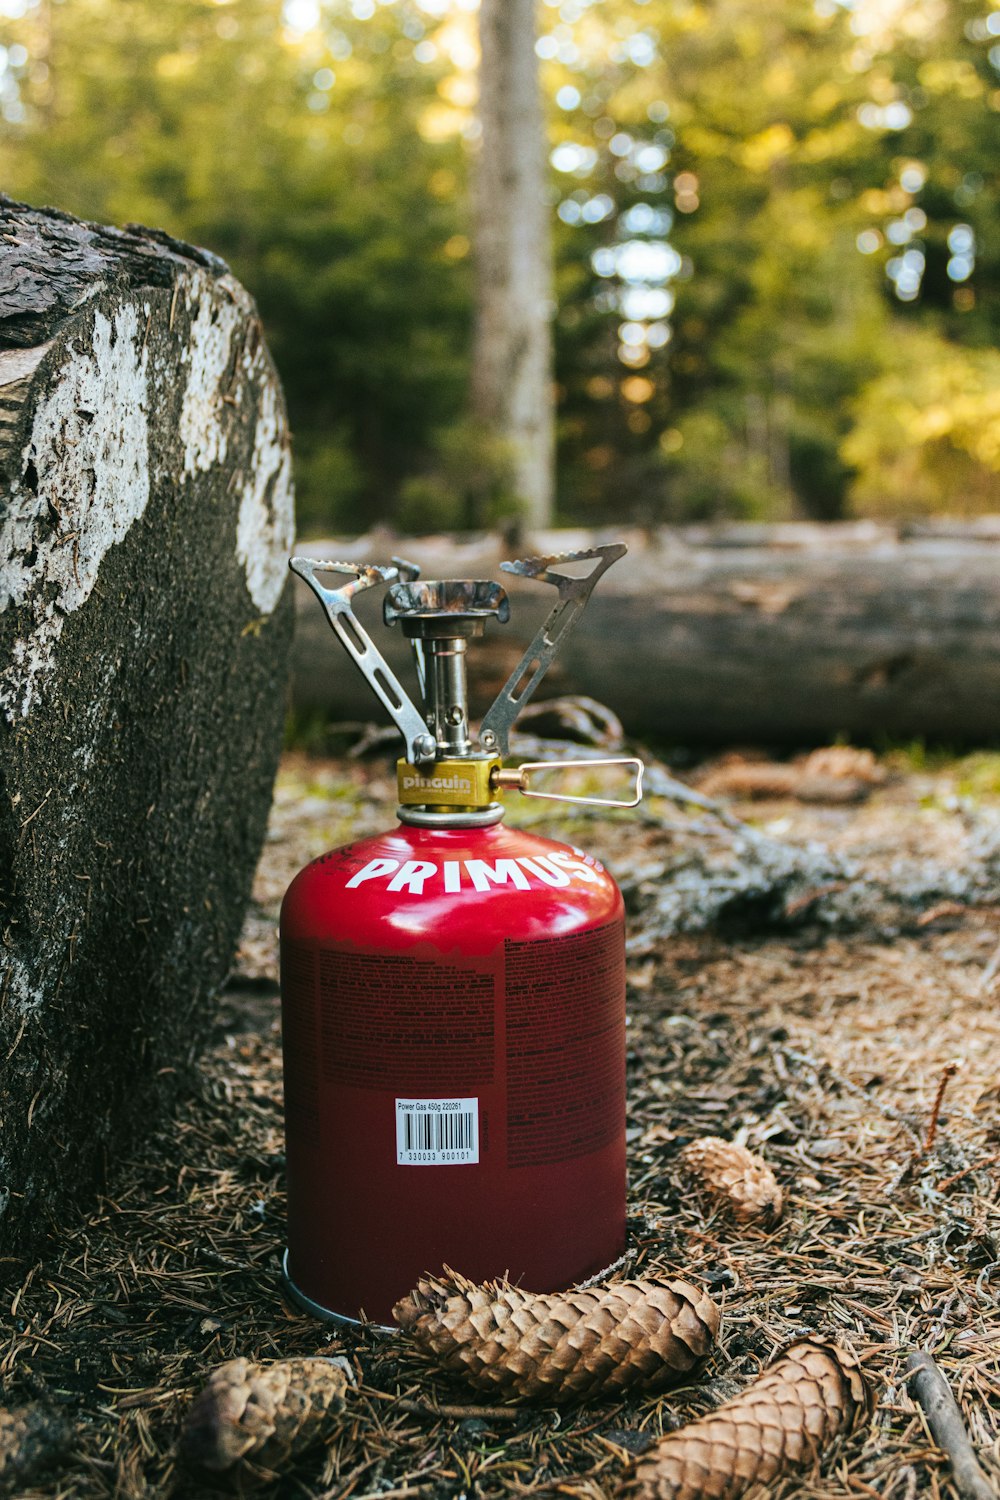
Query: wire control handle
(520, 779)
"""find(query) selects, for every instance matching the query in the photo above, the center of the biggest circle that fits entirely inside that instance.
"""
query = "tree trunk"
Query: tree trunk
(145, 517)
(783, 635)
(512, 347)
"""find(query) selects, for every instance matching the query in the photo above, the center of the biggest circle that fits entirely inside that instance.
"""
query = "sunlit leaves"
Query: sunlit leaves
(755, 207)
(928, 430)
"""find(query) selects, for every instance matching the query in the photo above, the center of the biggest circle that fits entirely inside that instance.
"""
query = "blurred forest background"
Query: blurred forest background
(777, 235)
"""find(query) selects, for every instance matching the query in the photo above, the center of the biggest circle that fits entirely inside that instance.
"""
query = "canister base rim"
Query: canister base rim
(317, 1310)
(327, 1314)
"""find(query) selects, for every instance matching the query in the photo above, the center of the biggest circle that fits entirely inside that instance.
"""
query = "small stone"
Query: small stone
(627, 1438)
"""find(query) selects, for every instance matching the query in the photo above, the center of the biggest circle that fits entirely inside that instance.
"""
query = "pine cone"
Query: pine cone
(262, 1412)
(846, 763)
(782, 1421)
(561, 1346)
(735, 1174)
(31, 1438)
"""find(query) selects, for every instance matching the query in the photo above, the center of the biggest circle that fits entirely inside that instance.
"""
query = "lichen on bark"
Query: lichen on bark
(144, 520)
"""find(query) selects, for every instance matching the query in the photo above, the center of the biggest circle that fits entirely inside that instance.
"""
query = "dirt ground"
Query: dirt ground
(822, 1047)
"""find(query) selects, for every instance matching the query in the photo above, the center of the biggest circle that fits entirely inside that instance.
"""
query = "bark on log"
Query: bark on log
(783, 635)
(145, 517)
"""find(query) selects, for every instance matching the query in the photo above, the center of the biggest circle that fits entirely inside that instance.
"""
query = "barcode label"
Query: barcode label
(436, 1132)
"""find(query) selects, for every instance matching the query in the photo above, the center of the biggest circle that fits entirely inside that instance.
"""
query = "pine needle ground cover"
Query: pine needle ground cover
(829, 1052)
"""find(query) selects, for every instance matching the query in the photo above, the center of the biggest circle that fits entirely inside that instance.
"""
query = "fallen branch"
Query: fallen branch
(931, 1391)
(977, 1166)
(751, 875)
(718, 868)
(575, 718)
(457, 1413)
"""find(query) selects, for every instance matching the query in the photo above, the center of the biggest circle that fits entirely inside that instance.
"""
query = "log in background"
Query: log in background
(781, 635)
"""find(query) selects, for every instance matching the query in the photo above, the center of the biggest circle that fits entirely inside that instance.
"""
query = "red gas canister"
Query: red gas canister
(453, 997)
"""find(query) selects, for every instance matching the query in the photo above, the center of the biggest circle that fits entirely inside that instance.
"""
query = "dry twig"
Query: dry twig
(947, 1074)
(931, 1391)
(977, 1166)
(458, 1413)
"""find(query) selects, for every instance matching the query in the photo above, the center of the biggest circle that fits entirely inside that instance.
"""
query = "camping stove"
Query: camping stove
(453, 991)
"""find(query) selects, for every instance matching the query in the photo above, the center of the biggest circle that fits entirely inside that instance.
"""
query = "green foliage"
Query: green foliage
(469, 485)
(329, 481)
(926, 434)
(793, 130)
(761, 367)
(978, 776)
(306, 162)
(710, 474)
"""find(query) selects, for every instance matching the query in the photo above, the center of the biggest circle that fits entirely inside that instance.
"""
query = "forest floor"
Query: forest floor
(821, 1042)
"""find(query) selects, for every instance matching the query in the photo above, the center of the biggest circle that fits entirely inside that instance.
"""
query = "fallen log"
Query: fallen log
(145, 517)
(785, 635)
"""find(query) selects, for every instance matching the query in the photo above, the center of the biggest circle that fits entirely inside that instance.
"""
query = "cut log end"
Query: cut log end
(144, 632)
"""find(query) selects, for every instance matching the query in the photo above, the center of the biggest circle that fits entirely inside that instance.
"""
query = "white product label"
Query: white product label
(436, 1132)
